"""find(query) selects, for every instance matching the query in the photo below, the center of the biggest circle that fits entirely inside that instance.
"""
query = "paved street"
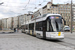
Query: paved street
(21, 41)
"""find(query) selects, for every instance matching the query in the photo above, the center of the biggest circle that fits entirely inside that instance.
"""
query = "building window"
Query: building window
(50, 7)
(66, 8)
(61, 6)
(66, 14)
(53, 6)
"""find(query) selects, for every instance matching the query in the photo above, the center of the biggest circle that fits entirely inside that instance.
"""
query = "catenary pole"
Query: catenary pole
(71, 16)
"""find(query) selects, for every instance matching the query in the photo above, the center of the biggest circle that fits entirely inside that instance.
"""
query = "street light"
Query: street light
(71, 16)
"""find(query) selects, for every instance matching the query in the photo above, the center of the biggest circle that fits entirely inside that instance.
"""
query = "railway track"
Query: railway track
(67, 44)
(63, 43)
(70, 38)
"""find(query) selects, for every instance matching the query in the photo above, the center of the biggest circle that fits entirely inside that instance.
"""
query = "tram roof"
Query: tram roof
(40, 18)
(43, 17)
(48, 14)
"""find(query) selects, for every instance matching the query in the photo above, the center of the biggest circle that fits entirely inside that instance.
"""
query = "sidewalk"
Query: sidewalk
(6, 30)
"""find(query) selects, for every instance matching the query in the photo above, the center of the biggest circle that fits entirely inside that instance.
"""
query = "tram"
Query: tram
(47, 26)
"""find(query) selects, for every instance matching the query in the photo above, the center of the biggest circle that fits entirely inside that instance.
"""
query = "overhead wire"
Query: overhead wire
(16, 2)
(25, 6)
(16, 6)
(41, 3)
(27, 3)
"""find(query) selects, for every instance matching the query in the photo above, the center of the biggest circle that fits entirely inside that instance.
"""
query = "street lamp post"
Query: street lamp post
(71, 16)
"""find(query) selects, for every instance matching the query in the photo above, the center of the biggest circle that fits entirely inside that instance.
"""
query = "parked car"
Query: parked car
(66, 28)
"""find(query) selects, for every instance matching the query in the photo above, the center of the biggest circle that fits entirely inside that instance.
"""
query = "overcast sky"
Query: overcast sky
(12, 8)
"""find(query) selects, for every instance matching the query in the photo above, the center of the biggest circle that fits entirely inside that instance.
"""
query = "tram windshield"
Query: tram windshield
(57, 24)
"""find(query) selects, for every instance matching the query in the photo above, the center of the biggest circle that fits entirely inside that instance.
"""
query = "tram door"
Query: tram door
(44, 30)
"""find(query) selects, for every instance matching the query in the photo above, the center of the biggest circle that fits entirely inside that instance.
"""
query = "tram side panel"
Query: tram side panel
(39, 28)
(31, 28)
(44, 29)
(27, 29)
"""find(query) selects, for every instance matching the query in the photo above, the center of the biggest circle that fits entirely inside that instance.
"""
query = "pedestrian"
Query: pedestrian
(16, 29)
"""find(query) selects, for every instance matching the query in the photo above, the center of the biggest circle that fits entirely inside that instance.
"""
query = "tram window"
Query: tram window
(44, 24)
(44, 15)
(26, 26)
(36, 28)
(31, 26)
(51, 28)
(57, 25)
(39, 26)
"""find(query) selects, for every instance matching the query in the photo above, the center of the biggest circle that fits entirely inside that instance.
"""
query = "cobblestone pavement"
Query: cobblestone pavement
(20, 41)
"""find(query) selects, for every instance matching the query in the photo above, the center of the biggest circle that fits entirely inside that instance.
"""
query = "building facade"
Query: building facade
(21, 20)
(9, 23)
(63, 9)
(15, 22)
(38, 12)
(50, 8)
(4, 24)
(73, 9)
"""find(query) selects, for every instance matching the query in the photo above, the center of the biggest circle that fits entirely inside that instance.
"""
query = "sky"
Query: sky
(13, 8)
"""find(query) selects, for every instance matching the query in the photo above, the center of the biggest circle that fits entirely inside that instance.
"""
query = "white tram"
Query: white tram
(48, 26)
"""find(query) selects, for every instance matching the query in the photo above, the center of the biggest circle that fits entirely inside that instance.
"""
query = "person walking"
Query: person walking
(16, 29)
